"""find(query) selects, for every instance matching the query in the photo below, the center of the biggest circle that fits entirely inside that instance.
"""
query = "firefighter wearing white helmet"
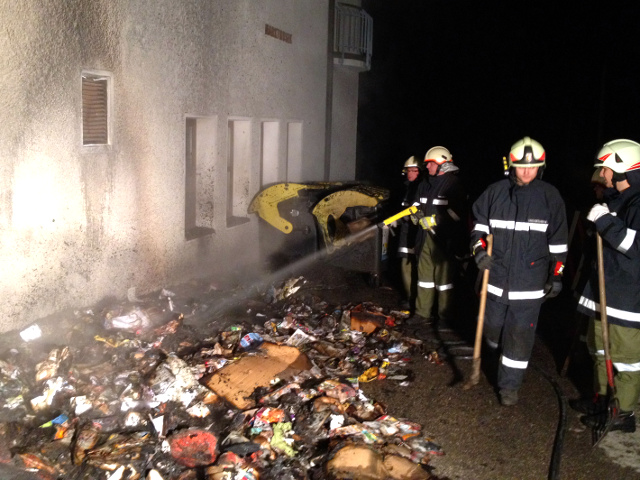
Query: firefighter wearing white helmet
(442, 237)
(435, 158)
(407, 236)
(618, 223)
(527, 219)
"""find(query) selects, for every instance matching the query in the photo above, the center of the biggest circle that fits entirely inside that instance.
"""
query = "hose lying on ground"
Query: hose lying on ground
(556, 454)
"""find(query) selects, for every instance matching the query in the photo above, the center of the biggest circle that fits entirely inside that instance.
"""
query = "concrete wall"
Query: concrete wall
(344, 123)
(80, 223)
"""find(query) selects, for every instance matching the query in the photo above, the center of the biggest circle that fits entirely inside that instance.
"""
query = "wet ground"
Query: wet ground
(483, 440)
(480, 438)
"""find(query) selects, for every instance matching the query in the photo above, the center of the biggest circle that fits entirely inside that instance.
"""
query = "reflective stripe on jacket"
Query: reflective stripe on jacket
(444, 197)
(529, 227)
(408, 231)
(620, 233)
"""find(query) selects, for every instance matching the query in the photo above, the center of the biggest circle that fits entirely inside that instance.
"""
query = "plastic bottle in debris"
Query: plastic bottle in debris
(133, 322)
(251, 341)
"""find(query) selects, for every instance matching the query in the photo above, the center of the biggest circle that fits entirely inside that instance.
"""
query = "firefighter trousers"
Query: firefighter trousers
(408, 273)
(436, 274)
(625, 355)
(512, 327)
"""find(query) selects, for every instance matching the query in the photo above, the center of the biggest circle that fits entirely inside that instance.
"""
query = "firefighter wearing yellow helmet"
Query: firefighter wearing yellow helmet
(407, 235)
(527, 219)
(618, 223)
(442, 237)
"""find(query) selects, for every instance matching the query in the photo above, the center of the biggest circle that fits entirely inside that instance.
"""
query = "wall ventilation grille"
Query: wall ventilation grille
(95, 112)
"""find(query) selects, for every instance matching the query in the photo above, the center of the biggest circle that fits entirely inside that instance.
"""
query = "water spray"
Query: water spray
(340, 247)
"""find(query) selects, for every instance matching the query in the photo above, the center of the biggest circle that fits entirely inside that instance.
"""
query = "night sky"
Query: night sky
(475, 78)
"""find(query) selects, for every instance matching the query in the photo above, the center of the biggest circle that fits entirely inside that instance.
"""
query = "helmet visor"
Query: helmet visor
(524, 156)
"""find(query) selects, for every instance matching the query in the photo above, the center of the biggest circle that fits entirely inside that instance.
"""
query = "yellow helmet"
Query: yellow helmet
(411, 162)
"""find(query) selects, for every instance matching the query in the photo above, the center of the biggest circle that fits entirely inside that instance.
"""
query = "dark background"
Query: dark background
(477, 76)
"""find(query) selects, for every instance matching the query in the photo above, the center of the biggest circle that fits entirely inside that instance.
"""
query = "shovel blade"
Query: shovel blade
(475, 375)
(600, 431)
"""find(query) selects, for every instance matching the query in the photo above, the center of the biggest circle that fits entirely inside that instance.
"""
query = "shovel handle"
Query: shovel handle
(603, 313)
(475, 374)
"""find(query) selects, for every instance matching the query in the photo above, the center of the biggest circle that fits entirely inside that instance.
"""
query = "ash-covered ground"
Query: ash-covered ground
(94, 397)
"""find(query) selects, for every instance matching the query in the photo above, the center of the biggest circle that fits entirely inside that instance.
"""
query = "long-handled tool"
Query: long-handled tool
(613, 408)
(475, 374)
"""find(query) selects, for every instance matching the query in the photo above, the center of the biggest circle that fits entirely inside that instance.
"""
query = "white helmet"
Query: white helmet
(526, 152)
(439, 155)
(411, 162)
(619, 155)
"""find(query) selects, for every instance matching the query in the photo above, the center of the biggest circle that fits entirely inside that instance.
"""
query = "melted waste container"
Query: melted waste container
(299, 219)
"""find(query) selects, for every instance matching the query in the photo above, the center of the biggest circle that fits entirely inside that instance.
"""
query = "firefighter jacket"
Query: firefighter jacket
(444, 196)
(585, 249)
(529, 227)
(408, 231)
(621, 259)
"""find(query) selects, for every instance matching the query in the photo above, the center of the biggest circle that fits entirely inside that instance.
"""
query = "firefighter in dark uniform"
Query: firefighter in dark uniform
(408, 230)
(618, 223)
(528, 221)
(443, 234)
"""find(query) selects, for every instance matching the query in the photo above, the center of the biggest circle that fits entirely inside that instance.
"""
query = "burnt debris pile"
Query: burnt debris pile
(153, 389)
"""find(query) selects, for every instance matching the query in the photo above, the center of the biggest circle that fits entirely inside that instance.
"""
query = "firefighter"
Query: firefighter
(528, 221)
(618, 223)
(407, 236)
(442, 205)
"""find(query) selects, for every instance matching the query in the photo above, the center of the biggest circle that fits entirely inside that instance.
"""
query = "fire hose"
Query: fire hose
(558, 442)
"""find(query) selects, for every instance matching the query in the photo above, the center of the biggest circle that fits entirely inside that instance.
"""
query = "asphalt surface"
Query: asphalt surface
(481, 439)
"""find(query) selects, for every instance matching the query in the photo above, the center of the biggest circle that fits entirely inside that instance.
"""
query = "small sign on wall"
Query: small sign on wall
(277, 33)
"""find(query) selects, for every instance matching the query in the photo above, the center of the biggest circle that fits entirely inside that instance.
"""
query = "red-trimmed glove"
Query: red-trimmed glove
(482, 258)
(554, 282)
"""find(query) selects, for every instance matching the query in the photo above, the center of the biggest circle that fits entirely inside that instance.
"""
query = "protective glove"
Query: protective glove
(553, 286)
(483, 260)
(597, 211)
(427, 223)
(415, 217)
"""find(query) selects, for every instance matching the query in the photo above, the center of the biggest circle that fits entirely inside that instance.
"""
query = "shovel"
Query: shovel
(613, 407)
(475, 373)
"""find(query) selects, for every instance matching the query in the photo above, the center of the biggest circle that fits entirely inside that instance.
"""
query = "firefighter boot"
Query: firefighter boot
(624, 422)
(508, 397)
(417, 320)
(404, 304)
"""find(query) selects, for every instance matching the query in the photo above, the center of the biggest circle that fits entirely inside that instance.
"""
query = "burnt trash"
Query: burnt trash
(193, 447)
(141, 390)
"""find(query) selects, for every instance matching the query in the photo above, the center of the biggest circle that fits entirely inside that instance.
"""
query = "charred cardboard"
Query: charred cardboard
(359, 462)
(356, 462)
(366, 322)
(399, 468)
(237, 381)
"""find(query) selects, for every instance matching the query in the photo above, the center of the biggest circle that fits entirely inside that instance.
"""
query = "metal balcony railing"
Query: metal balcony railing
(353, 35)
